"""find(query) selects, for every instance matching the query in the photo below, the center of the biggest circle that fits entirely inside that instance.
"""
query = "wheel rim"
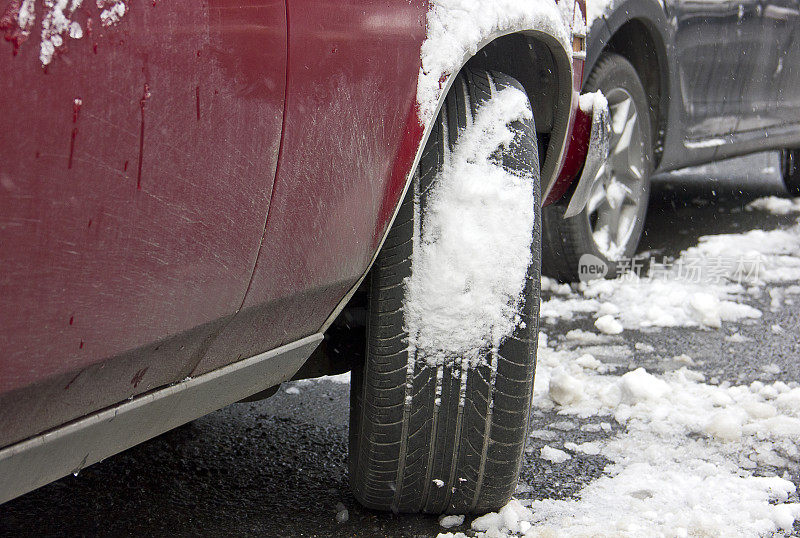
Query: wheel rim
(617, 196)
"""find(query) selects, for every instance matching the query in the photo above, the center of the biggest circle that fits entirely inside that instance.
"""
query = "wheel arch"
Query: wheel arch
(496, 52)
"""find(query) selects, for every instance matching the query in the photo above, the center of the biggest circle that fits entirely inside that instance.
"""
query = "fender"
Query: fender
(618, 13)
(546, 30)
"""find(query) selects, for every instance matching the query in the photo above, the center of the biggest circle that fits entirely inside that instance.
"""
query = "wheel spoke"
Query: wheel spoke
(596, 198)
(619, 115)
(625, 223)
(626, 136)
(609, 219)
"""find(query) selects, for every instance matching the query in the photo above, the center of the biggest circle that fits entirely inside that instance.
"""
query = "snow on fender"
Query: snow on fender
(456, 28)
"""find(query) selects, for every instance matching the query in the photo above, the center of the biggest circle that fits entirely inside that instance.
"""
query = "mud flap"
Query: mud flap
(595, 155)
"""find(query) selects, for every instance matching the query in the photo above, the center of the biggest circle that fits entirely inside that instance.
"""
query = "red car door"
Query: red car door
(350, 136)
(137, 158)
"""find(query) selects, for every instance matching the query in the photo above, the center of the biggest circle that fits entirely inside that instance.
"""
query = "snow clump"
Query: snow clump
(775, 205)
(554, 455)
(470, 264)
(59, 24)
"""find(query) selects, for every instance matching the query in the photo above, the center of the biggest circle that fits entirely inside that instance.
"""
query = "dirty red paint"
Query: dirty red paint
(327, 214)
(72, 137)
(9, 24)
(197, 100)
(76, 111)
(142, 103)
(161, 265)
(138, 376)
(402, 164)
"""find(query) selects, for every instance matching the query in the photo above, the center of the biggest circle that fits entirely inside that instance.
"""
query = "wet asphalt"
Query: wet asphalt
(279, 467)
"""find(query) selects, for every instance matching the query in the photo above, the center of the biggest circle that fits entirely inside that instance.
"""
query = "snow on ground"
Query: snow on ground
(775, 205)
(707, 285)
(295, 387)
(693, 457)
(471, 261)
(682, 465)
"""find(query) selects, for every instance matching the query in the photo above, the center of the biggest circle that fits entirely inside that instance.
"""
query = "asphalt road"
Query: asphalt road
(278, 467)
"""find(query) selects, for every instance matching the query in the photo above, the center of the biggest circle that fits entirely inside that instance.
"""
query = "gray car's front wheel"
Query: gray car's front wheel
(433, 434)
(610, 225)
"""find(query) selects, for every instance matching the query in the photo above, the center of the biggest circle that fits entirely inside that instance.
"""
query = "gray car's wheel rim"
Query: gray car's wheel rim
(616, 199)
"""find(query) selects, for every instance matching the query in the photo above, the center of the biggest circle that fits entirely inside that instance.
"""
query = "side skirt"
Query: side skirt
(39, 460)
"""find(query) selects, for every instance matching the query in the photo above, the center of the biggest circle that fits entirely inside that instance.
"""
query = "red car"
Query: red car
(196, 198)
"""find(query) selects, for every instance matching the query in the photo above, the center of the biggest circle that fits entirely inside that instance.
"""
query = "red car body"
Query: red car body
(193, 186)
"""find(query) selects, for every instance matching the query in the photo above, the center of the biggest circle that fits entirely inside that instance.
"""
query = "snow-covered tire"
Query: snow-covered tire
(790, 170)
(564, 241)
(442, 439)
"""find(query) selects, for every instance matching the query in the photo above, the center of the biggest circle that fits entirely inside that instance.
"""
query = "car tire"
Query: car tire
(790, 170)
(442, 439)
(564, 241)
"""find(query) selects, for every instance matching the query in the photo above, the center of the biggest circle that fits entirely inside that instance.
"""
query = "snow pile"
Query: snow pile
(294, 387)
(573, 17)
(608, 324)
(23, 13)
(113, 11)
(343, 379)
(705, 286)
(775, 205)
(687, 498)
(682, 466)
(471, 261)
(456, 28)
(451, 521)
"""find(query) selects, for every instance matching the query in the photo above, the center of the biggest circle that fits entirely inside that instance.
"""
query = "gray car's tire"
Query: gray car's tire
(790, 170)
(424, 438)
(564, 241)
